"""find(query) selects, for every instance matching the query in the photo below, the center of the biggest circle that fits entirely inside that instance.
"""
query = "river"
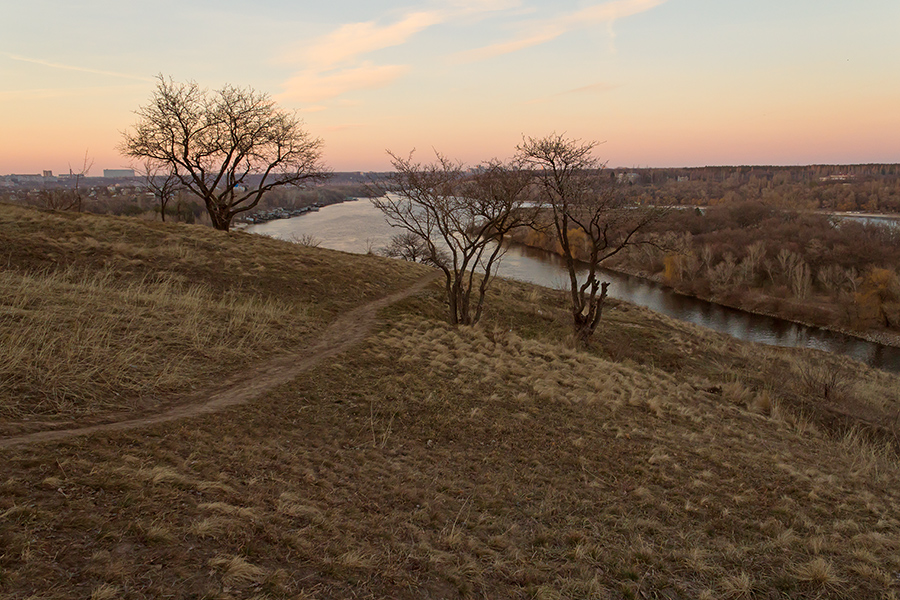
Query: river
(359, 227)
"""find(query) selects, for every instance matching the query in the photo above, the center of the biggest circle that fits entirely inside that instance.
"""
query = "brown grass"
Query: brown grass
(494, 462)
(101, 315)
(77, 343)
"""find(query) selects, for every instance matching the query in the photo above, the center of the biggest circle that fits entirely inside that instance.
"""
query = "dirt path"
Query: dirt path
(347, 331)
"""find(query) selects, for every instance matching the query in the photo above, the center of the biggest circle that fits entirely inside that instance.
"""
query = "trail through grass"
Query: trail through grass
(431, 461)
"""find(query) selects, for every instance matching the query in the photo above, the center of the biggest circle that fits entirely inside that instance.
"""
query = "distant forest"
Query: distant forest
(873, 188)
(868, 188)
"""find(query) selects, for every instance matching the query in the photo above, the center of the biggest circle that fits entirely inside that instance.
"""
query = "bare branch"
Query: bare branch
(590, 219)
(460, 220)
(228, 147)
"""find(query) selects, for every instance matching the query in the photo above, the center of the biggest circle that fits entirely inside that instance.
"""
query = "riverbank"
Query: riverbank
(885, 338)
(750, 301)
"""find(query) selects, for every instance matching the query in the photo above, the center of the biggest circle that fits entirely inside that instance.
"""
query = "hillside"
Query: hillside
(400, 457)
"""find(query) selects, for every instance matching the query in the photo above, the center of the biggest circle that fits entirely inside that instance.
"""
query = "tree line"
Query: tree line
(869, 188)
(806, 266)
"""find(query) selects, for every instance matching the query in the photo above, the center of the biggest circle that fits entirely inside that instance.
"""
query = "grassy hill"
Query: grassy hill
(426, 461)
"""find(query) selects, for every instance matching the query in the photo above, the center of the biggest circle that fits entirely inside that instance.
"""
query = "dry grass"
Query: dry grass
(101, 315)
(237, 572)
(480, 462)
(75, 343)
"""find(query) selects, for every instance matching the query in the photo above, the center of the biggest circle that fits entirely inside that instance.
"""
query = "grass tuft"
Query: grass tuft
(819, 572)
(237, 572)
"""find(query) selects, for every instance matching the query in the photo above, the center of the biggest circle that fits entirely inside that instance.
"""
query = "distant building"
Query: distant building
(118, 173)
(27, 178)
(47, 174)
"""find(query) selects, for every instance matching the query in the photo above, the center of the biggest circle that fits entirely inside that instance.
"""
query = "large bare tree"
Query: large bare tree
(462, 218)
(228, 147)
(590, 220)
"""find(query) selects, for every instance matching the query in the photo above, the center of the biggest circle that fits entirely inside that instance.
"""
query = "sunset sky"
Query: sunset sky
(658, 82)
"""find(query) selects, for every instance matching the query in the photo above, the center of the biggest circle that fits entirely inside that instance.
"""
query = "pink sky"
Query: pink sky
(660, 82)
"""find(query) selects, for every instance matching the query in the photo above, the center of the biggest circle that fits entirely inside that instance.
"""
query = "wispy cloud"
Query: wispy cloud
(315, 86)
(595, 88)
(343, 127)
(56, 65)
(535, 32)
(45, 93)
(333, 64)
(355, 39)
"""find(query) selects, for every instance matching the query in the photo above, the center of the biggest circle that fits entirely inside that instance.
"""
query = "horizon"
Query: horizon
(605, 168)
(659, 83)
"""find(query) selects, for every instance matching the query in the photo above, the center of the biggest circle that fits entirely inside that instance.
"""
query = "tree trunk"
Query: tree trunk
(586, 321)
(451, 297)
(220, 219)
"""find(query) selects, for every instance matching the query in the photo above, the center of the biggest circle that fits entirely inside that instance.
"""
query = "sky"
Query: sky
(656, 83)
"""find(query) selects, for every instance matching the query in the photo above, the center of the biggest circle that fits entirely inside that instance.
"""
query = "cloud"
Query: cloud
(55, 65)
(52, 93)
(595, 88)
(343, 127)
(315, 86)
(355, 39)
(590, 89)
(537, 32)
(464, 8)
(332, 65)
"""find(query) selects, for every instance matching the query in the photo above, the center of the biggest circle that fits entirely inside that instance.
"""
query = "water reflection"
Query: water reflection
(881, 221)
(359, 227)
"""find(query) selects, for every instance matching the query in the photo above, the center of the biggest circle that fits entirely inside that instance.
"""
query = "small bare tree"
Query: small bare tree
(749, 267)
(462, 220)
(408, 246)
(228, 147)
(584, 210)
(60, 199)
(68, 198)
(163, 182)
(306, 240)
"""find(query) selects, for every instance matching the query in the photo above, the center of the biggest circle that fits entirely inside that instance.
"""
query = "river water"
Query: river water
(359, 227)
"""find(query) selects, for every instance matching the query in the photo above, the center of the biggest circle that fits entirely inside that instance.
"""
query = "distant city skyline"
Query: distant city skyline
(660, 83)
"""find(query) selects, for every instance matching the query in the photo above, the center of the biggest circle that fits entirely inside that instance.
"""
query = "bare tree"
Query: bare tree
(68, 198)
(228, 147)
(307, 240)
(590, 220)
(408, 246)
(749, 267)
(163, 182)
(462, 220)
(60, 199)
